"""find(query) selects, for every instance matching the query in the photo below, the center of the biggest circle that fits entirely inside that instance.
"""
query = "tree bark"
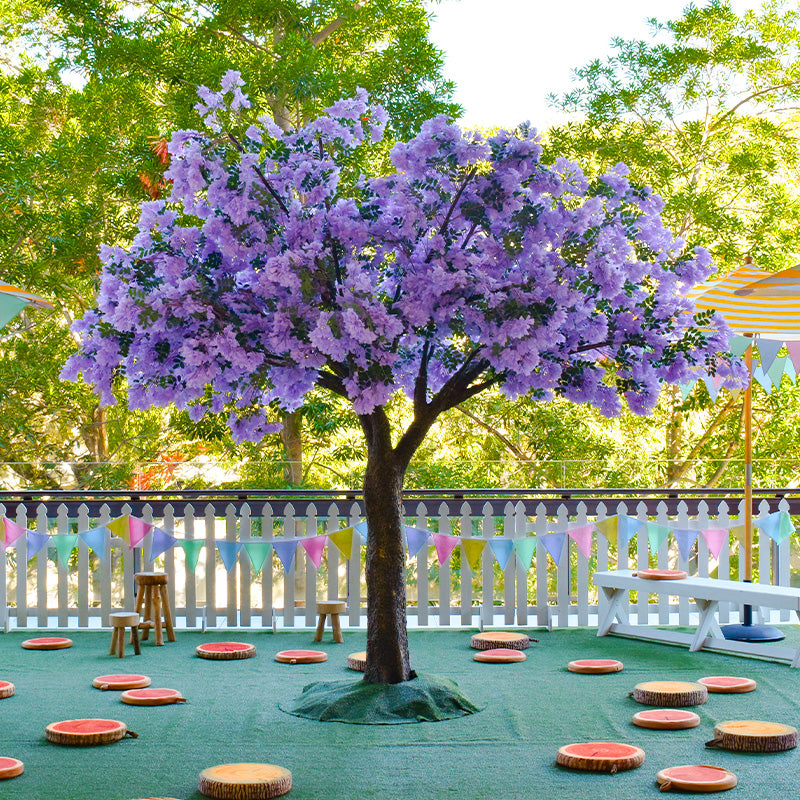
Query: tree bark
(292, 438)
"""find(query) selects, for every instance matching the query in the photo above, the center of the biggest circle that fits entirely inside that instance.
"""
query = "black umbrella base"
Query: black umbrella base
(752, 633)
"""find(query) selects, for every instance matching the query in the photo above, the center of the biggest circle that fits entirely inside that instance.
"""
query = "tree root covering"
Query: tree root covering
(426, 698)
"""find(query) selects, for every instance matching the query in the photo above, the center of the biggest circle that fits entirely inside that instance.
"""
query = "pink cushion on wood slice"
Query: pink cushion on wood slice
(120, 682)
(47, 643)
(225, 651)
(595, 666)
(10, 768)
(500, 655)
(666, 719)
(696, 778)
(600, 756)
(301, 657)
(662, 574)
(727, 684)
(7, 689)
(152, 697)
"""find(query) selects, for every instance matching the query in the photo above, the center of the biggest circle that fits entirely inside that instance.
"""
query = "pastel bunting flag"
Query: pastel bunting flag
(257, 552)
(444, 545)
(191, 550)
(608, 527)
(472, 549)
(713, 389)
(768, 349)
(714, 539)
(739, 344)
(627, 528)
(685, 539)
(686, 389)
(343, 541)
(777, 369)
(777, 525)
(582, 537)
(794, 354)
(763, 379)
(228, 551)
(95, 539)
(138, 529)
(315, 546)
(362, 530)
(738, 532)
(525, 548)
(65, 543)
(502, 549)
(36, 541)
(12, 531)
(416, 539)
(160, 542)
(554, 544)
(285, 548)
(120, 527)
(656, 535)
(788, 368)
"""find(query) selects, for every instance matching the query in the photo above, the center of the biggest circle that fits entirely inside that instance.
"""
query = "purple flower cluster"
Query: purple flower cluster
(261, 276)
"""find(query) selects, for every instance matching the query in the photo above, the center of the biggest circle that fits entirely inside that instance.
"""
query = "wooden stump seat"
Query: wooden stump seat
(152, 603)
(120, 620)
(331, 608)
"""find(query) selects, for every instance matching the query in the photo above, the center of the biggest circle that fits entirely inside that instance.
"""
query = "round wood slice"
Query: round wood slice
(301, 656)
(662, 574)
(494, 639)
(696, 778)
(600, 756)
(666, 719)
(120, 682)
(87, 732)
(47, 643)
(10, 768)
(245, 781)
(675, 694)
(595, 666)
(6, 689)
(225, 651)
(500, 655)
(754, 736)
(357, 661)
(727, 684)
(152, 697)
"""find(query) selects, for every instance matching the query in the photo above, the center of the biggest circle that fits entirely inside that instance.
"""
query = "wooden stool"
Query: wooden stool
(332, 608)
(151, 602)
(119, 621)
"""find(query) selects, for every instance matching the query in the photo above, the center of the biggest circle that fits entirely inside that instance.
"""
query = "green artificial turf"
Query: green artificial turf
(504, 752)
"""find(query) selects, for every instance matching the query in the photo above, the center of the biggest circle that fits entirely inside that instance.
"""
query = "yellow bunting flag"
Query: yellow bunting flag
(608, 527)
(473, 550)
(343, 540)
(121, 527)
(739, 533)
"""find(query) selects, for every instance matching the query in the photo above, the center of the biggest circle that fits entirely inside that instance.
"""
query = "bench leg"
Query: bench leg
(707, 623)
(613, 610)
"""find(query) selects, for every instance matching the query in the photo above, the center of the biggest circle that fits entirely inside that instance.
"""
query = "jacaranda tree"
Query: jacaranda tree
(275, 267)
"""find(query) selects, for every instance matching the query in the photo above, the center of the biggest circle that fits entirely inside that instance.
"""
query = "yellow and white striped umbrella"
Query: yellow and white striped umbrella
(768, 316)
(776, 284)
(13, 300)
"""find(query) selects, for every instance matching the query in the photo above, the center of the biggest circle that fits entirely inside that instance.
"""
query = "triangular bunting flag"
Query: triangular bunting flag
(343, 541)
(656, 535)
(257, 552)
(608, 527)
(788, 368)
(739, 344)
(713, 389)
(95, 539)
(315, 546)
(416, 539)
(686, 388)
(138, 530)
(12, 531)
(714, 539)
(120, 527)
(362, 530)
(444, 545)
(65, 543)
(627, 528)
(768, 350)
(763, 379)
(36, 541)
(554, 544)
(191, 549)
(525, 549)
(738, 532)
(502, 549)
(285, 549)
(775, 372)
(582, 537)
(228, 552)
(473, 550)
(685, 539)
(777, 526)
(794, 354)
(160, 543)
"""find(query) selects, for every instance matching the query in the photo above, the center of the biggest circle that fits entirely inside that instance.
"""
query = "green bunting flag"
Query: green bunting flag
(65, 543)
(191, 549)
(525, 549)
(656, 535)
(257, 552)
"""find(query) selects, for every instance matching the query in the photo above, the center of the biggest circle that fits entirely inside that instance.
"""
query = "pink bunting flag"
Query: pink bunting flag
(138, 529)
(583, 539)
(12, 531)
(444, 545)
(315, 546)
(714, 539)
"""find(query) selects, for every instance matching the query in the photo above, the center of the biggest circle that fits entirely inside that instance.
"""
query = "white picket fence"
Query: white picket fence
(48, 594)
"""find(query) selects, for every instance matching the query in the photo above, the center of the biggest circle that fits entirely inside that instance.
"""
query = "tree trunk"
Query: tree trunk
(387, 637)
(292, 438)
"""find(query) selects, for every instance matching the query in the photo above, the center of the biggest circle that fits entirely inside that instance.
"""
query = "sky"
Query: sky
(506, 56)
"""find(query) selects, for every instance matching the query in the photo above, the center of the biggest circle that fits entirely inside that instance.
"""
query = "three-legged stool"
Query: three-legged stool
(119, 621)
(332, 608)
(152, 602)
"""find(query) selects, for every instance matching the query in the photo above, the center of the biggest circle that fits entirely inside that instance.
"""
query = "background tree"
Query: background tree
(276, 267)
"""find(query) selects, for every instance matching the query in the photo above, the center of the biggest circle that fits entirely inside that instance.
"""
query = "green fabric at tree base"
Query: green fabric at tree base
(426, 698)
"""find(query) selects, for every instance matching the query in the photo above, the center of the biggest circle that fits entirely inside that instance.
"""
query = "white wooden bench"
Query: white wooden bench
(707, 594)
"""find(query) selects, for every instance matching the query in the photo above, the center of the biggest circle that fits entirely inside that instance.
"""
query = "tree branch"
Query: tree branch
(318, 38)
(518, 454)
(731, 111)
(261, 175)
